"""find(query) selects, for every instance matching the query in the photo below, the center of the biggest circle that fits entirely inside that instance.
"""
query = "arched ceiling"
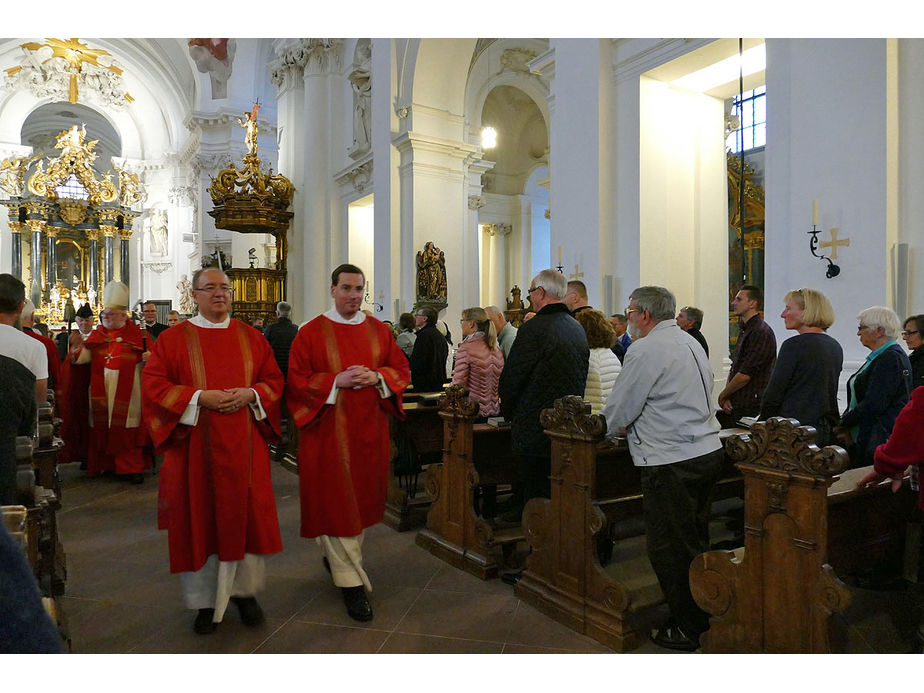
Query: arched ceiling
(45, 122)
(522, 141)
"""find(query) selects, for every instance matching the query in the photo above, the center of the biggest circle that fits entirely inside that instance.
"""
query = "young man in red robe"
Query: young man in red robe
(74, 405)
(212, 392)
(115, 353)
(346, 373)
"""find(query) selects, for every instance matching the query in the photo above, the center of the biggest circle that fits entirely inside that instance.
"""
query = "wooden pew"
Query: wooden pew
(472, 454)
(45, 455)
(803, 524)
(596, 490)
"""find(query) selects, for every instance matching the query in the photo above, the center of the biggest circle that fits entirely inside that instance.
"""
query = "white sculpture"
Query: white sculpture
(158, 231)
(184, 287)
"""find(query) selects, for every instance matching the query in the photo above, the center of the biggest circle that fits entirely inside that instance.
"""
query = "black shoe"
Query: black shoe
(671, 637)
(204, 624)
(511, 578)
(357, 603)
(251, 613)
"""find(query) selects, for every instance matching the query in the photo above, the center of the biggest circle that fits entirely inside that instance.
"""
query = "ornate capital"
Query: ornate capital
(51, 231)
(16, 226)
(125, 234)
(476, 201)
(361, 176)
(92, 234)
(324, 55)
(108, 231)
(36, 225)
(108, 216)
(498, 229)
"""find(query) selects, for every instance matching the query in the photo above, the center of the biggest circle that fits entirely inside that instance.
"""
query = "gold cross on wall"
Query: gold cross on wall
(834, 243)
(577, 273)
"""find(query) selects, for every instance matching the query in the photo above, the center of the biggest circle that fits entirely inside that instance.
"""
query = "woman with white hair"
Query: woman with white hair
(878, 390)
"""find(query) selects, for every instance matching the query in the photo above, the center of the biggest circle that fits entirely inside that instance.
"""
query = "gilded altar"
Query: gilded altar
(71, 218)
(249, 200)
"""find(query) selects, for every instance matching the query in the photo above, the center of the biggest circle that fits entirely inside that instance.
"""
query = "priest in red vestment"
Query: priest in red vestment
(115, 352)
(74, 404)
(27, 320)
(211, 396)
(346, 373)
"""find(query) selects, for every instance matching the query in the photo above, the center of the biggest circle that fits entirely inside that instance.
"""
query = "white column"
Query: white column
(287, 73)
(521, 263)
(497, 269)
(323, 61)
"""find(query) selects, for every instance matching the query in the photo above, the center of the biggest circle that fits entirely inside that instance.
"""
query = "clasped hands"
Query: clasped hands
(356, 377)
(226, 401)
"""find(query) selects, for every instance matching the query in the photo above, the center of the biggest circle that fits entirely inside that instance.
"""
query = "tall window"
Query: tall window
(751, 109)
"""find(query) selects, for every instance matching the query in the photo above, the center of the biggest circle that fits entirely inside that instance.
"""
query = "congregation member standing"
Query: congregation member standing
(346, 374)
(13, 343)
(173, 318)
(548, 361)
(755, 353)
(603, 366)
(623, 340)
(428, 358)
(479, 361)
(150, 324)
(17, 391)
(115, 354)
(661, 400)
(280, 335)
(690, 320)
(406, 335)
(27, 320)
(913, 334)
(803, 384)
(576, 296)
(211, 401)
(878, 390)
(506, 332)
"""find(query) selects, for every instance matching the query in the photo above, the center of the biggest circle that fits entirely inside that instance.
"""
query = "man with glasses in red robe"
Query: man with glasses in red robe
(211, 400)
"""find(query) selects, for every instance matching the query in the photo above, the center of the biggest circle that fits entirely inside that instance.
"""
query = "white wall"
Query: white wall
(826, 140)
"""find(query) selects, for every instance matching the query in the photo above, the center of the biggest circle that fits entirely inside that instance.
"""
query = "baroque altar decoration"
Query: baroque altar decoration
(431, 277)
(62, 208)
(249, 200)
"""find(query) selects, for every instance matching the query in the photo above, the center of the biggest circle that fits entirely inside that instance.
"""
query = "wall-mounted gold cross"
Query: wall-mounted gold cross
(577, 273)
(834, 243)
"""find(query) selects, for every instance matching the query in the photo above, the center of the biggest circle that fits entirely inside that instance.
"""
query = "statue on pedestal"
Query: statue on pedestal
(431, 275)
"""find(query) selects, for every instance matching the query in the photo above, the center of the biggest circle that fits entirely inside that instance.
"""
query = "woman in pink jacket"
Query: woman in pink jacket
(479, 361)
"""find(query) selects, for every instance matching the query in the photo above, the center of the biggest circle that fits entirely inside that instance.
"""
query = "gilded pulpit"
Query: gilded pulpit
(249, 200)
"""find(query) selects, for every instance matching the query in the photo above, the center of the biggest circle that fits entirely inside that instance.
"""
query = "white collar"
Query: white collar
(200, 321)
(357, 319)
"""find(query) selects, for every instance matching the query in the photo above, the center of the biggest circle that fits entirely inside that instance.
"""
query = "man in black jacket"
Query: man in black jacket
(280, 335)
(428, 359)
(547, 361)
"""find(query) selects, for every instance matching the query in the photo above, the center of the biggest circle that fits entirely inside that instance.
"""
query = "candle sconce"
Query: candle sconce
(377, 307)
(833, 270)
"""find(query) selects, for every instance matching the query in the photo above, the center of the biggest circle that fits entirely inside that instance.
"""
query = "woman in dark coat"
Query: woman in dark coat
(913, 335)
(878, 390)
(803, 383)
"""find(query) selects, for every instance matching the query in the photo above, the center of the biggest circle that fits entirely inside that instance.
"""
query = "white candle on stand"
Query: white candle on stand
(814, 212)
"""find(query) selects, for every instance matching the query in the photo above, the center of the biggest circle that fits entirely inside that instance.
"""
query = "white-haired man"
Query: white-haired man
(661, 399)
(548, 360)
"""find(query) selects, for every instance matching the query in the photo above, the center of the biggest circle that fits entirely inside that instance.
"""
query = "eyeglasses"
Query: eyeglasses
(209, 289)
(535, 288)
(908, 333)
(862, 327)
(627, 311)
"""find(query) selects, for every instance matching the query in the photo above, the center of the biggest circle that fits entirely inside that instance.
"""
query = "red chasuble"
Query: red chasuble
(216, 495)
(118, 350)
(343, 448)
(74, 409)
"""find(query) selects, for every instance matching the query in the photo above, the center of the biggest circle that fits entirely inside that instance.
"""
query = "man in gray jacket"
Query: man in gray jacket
(662, 400)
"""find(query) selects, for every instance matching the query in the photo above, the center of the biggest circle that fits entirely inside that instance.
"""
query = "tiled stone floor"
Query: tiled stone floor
(121, 598)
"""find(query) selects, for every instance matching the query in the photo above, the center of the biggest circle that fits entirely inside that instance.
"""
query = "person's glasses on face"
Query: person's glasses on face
(212, 289)
(908, 333)
(531, 289)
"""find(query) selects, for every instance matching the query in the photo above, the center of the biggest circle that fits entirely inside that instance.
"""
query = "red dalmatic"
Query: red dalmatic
(343, 448)
(216, 495)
